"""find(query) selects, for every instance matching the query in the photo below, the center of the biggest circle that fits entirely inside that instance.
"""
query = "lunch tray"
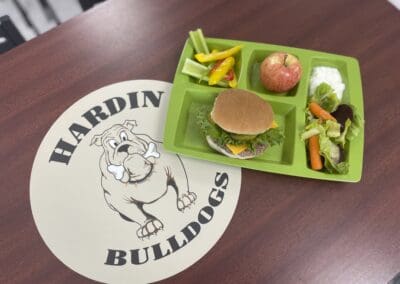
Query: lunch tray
(183, 136)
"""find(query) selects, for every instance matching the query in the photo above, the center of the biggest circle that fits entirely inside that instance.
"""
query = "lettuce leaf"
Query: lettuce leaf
(340, 168)
(355, 127)
(331, 153)
(309, 115)
(341, 140)
(271, 137)
(325, 96)
(204, 122)
(332, 128)
(313, 128)
(329, 128)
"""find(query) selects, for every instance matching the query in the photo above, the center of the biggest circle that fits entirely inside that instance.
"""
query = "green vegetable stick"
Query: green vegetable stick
(198, 41)
(199, 71)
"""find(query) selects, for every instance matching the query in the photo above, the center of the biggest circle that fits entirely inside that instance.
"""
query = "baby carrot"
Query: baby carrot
(315, 158)
(320, 112)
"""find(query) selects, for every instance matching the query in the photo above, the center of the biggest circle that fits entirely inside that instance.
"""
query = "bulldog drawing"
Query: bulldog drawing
(134, 173)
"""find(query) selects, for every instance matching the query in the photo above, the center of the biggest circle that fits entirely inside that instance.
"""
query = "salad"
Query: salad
(330, 124)
(216, 67)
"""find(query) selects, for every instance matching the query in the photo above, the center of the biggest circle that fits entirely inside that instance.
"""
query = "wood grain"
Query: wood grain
(285, 229)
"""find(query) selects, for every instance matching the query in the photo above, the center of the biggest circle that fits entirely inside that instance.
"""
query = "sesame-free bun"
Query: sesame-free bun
(242, 112)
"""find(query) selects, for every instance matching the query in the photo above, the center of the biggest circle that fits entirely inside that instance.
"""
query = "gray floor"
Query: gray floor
(64, 10)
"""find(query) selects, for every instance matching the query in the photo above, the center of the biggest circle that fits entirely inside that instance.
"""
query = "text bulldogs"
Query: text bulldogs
(174, 243)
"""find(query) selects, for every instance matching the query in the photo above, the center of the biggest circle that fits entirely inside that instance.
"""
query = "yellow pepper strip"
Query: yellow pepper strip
(233, 83)
(274, 124)
(201, 57)
(218, 73)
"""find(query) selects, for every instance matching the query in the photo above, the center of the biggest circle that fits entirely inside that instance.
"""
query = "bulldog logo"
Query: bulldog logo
(134, 173)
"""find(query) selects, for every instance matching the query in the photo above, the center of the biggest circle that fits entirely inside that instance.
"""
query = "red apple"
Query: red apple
(280, 72)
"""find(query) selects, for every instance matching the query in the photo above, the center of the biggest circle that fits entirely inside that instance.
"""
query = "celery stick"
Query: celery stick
(202, 41)
(198, 41)
(198, 71)
(194, 69)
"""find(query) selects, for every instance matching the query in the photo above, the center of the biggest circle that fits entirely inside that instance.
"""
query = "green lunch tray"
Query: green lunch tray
(183, 136)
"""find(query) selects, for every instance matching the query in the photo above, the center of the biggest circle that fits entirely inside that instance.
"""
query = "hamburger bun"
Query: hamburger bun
(242, 112)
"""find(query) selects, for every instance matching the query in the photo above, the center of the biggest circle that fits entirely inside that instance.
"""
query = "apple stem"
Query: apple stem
(284, 59)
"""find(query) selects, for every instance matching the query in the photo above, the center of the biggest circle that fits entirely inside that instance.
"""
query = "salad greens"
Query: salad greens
(341, 140)
(332, 156)
(333, 137)
(356, 125)
(328, 127)
(325, 97)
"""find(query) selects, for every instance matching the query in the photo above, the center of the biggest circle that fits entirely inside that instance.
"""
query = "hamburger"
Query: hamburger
(239, 125)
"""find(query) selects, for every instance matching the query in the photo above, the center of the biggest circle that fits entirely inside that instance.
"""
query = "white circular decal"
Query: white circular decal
(111, 204)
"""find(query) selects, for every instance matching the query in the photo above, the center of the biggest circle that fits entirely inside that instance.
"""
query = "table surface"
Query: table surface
(285, 229)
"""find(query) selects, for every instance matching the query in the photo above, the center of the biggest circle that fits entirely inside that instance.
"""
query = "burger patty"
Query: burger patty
(258, 150)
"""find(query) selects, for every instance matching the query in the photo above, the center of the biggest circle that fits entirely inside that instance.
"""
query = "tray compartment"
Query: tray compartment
(334, 62)
(285, 116)
(341, 65)
(253, 73)
(188, 134)
(220, 45)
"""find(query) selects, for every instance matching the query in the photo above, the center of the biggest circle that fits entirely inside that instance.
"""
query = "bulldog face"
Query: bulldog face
(129, 158)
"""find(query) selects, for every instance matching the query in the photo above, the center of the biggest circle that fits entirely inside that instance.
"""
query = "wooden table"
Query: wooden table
(285, 229)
